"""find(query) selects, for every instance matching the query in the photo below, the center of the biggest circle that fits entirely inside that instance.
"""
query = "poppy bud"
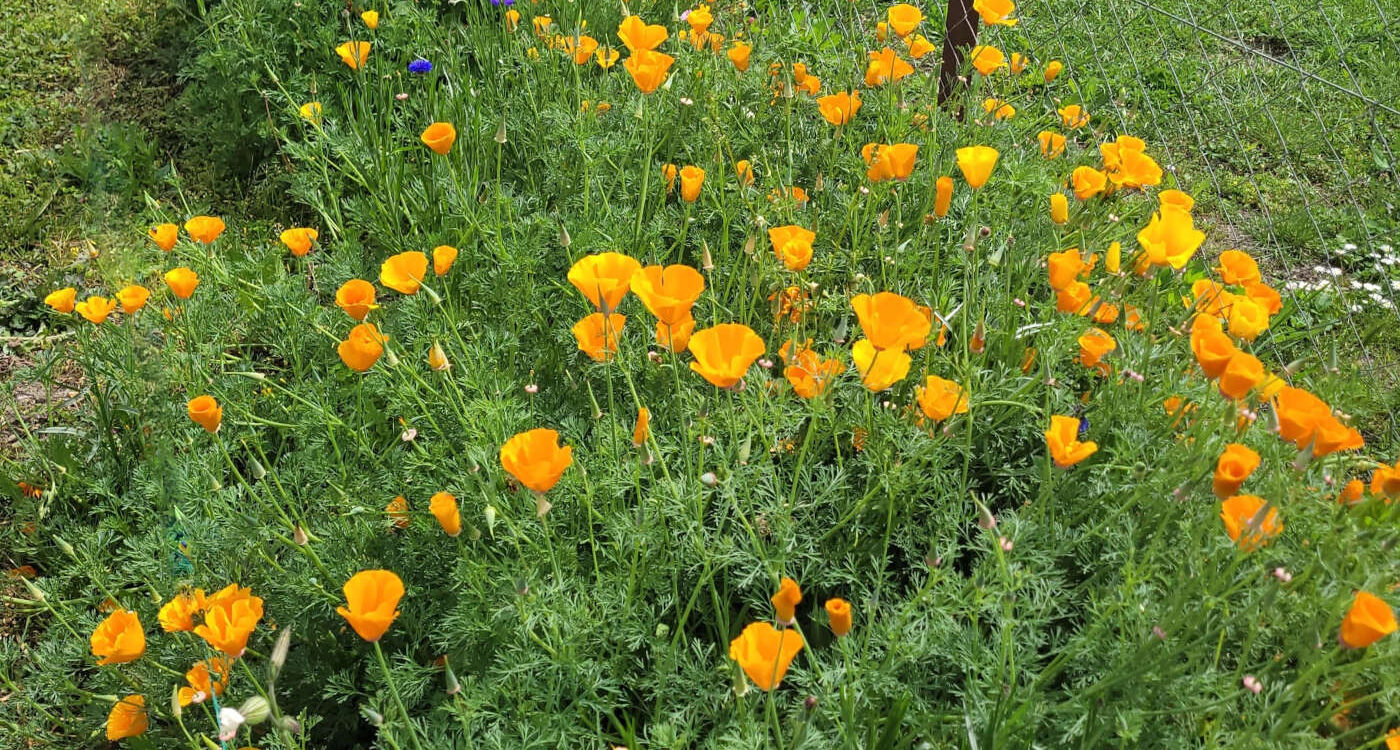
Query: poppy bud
(453, 687)
(373, 716)
(279, 650)
(501, 133)
(65, 547)
(709, 479)
(255, 710)
(255, 468)
(299, 535)
(491, 520)
(175, 708)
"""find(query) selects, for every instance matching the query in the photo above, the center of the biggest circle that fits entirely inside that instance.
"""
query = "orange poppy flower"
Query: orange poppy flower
(1018, 63)
(765, 653)
(397, 510)
(668, 292)
(177, 616)
(1247, 318)
(1059, 208)
(642, 430)
(987, 60)
(205, 412)
(943, 196)
(675, 337)
(892, 321)
(62, 300)
(581, 48)
(839, 108)
(637, 35)
(786, 600)
(404, 272)
(299, 240)
(1088, 182)
(206, 679)
(1066, 267)
(793, 245)
(96, 309)
(648, 69)
(1351, 493)
(205, 229)
(1113, 259)
(127, 718)
(372, 602)
(1170, 238)
(535, 458)
(356, 298)
(1369, 620)
(165, 236)
(362, 348)
(604, 278)
(998, 108)
(738, 54)
(977, 163)
(1232, 468)
(1063, 441)
(692, 177)
(1051, 144)
(354, 54)
(838, 612)
(443, 506)
(919, 46)
(118, 639)
(1177, 199)
(879, 368)
(230, 617)
(597, 335)
(724, 353)
(606, 58)
(439, 137)
(1093, 345)
(1265, 295)
(1073, 116)
(996, 12)
(886, 67)
(904, 18)
(889, 162)
(805, 370)
(182, 282)
(1241, 374)
(1212, 348)
(940, 398)
(1248, 523)
(443, 258)
(1385, 481)
(1053, 70)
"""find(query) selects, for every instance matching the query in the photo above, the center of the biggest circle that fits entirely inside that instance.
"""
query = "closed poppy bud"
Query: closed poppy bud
(987, 60)
(940, 398)
(371, 19)
(892, 321)
(1113, 260)
(668, 292)
(1053, 70)
(62, 299)
(205, 412)
(597, 335)
(443, 258)
(118, 639)
(443, 506)
(669, 172)
(879, 368)
(182, 282)
(765, 653)
(1088, 182)
(1063, 441)
(943, 198)
(675, 337)
(839, 613)
(793, 245)
(1051, 144)
(356, 298)
(1232, 468)
(372, 602)
(977, 163)
(692, 177)
(648, 69)
(1059, 208)
(1369, 620)
(642, 431)
(786, 600)
(437, 358)
(299, 240)
(96, 309)
(536, 459)
(362, 348)
(404, 272)
(724, 353)
(354, 54)
(604, 278)
(127, 718)
(1248, 523)
(1241, 374)
(1073, 116)
(439, 137)
(1385, 482)
(738, 54)
(165, 236)
(205, 229)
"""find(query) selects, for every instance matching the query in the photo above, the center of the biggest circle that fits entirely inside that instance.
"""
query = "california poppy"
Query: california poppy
(205, 229)
(371, 19)
(998, 108)
(996, 12)
(692, 177)
(894, 161)
(604, 278)
(1073, 116)
(1059, 208)
(1053, 69)
(839, 108)
(177, 615)
(1051, 144)
(943, 196)
(437, 358)
(1093, 345)
(642, 430)
(96, 309)
(892, 321)
(838, 612)
(879, 368)
(404, 272)
(904, 18)
(793, 245)
(443, 258)
(785, 601)
(987, 60)
(397, 510)
(1063, 441)
(597, 335)
(580, 47)
(362, 348)
(354, 54)
(1088, 182)
(1385, 481)
(127, 718)
(724, 353)
(165, 236)
(919, 46)
(675, 337)
(1247, 318)
(230, 617)
(62, 300)
(1241, 374)
(806, 371)
(299, 240)
(1234, 466)
(1170, 238)
(119, 638)
(648, 68)
(606, 58)
(886, 67)
(205, 412)
(182, 282)
(1177, 199)
(205, 679)
(372, 602)
(311, 112)
(668, 292)
(977, 163)
(439, 137)
(356, 298)
(700, 18)
(940, 398)
(1018, 62)
(536, 459)
(1248, 523)
(1212, 348)
(1369, 620)
(443, 506)
(638, 36)
(738, 54)
(765, 653)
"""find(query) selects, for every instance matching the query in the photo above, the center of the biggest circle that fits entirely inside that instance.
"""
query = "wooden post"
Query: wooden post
(960, 35)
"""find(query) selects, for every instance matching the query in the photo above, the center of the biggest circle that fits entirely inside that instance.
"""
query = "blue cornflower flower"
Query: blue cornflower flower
(420, 66)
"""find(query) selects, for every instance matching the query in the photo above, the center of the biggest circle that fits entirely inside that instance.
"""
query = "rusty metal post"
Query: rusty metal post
(960, 35)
